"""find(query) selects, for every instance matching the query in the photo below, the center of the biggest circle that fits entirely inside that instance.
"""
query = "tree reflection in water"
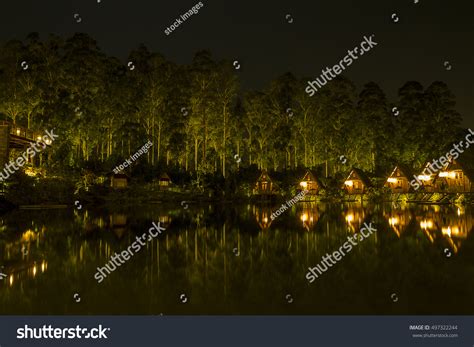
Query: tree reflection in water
(235, 260)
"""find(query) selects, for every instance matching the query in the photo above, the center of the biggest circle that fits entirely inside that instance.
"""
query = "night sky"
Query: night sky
(257, 34)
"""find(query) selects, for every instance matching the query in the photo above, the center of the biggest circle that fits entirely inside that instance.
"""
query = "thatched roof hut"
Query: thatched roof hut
(458, 177)
(311, 183)
(356, 182)
(265, 185)
(399, 179)
(119, 180)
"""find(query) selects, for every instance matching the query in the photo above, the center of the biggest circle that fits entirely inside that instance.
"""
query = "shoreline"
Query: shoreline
(197, 199)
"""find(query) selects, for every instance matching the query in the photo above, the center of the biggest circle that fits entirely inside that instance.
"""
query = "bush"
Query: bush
(25, 190)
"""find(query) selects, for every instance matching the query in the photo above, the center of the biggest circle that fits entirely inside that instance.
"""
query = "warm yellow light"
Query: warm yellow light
(426, 224)
(446, 231)
(424, 177)
(393, 221)
(349, 183)
(28, 235)
(34, 271)
(304, 184)
(304, 217)
(450, 174)
(391, 180)
(265, 220)
(350, 218)
(31, 172)
(18, 131)
(39, 138)
(454, 231)
(48, 141)
(42, 266)
(11, 280)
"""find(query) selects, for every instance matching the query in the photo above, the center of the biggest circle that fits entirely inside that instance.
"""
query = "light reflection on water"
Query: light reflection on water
(236, 260)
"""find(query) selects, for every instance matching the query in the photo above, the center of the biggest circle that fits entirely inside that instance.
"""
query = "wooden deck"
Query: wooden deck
(14, 136)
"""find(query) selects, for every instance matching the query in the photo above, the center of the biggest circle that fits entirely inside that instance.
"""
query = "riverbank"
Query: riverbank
(41, 196)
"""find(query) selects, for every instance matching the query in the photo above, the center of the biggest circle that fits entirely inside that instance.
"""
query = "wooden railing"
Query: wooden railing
(21, 131)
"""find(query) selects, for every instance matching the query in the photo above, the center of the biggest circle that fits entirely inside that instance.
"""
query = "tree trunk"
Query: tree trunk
(296, 160)
(186, 157)
(250, 149)
(305, 152)
(195, 154)
(238, 152)
(159, 142)
(223, 143)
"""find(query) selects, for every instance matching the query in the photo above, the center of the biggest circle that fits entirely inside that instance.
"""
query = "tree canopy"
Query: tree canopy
(199, 118)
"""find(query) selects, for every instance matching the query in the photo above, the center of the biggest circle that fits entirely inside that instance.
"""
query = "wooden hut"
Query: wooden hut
(428, 176)
(119, 181)
(311, 183)
(357, 182)
(164, 182)
(264, 185)
(456, 178)
(399, 180)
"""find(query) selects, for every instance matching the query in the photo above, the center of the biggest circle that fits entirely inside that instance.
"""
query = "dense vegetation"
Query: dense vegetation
(199, 118)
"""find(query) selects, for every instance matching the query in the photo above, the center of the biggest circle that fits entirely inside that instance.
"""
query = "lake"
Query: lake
(233, 259)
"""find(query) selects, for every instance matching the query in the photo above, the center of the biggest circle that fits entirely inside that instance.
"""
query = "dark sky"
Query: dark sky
(257, 34)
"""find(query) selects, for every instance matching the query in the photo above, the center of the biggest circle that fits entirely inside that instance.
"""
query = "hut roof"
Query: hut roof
(464, 165)
(164, 177)
(405, 170)
(361, 175)
(310, 176)
(264, 177)
(427, 166)
(120, 175)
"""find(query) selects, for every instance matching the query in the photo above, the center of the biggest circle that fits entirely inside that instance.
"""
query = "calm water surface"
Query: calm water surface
(232, 259)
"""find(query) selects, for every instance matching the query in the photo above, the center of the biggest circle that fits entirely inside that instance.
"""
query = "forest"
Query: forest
(201, 120)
